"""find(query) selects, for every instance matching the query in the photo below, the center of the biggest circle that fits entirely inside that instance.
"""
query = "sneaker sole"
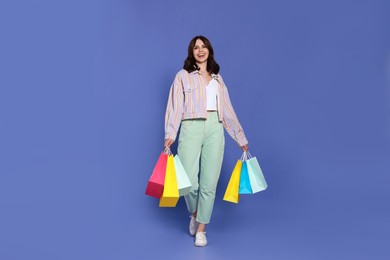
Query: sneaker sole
(200, 245)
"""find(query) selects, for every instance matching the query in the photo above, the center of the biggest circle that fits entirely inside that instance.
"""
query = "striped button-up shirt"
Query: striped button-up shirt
(187, 100)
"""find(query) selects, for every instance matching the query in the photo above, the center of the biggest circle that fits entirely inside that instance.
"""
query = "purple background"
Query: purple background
(83, 89)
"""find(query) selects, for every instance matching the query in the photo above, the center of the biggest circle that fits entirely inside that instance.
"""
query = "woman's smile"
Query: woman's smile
(200, 52)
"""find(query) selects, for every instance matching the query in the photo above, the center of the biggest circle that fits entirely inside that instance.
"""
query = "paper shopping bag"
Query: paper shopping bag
(231, 193)
(257, 180)
(245, 185)
(155, 185)
(170, 194)
(183, 182)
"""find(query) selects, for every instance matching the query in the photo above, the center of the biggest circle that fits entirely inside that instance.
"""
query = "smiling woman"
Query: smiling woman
(200, 51)
(200, 103)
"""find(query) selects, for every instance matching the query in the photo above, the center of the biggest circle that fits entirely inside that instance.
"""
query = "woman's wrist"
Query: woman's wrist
(168, 142)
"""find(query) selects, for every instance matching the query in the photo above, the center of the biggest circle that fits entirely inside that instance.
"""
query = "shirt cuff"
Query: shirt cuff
(242, 141)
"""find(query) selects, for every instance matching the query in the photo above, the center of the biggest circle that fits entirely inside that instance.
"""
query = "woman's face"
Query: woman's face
(200, 52)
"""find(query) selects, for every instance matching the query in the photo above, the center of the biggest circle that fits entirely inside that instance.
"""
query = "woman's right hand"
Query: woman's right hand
(168, 142)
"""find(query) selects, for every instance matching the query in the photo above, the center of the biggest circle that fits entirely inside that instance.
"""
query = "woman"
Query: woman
(199, 102)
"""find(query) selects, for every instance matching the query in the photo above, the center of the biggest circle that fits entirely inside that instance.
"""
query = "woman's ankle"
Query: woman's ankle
(201, 228)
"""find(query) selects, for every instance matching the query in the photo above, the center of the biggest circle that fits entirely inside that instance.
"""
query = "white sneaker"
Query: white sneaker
(193, 226)
(200, 239)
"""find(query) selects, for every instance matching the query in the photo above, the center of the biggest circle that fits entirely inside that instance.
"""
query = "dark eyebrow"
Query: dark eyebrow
(203, 45)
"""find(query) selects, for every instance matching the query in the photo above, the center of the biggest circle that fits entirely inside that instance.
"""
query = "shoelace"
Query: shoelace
(201, 235)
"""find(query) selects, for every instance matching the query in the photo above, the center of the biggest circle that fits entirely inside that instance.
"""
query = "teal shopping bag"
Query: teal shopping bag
(256, 176)
(183, 182)
(245, 185)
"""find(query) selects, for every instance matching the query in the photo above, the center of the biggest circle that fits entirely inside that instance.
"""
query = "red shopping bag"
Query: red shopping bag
(155, 186)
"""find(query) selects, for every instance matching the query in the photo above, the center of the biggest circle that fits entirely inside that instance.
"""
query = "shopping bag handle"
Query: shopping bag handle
(167, 151)
(246, 155)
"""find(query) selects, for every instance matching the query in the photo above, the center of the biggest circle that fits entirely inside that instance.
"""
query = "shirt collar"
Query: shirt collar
(214, 76)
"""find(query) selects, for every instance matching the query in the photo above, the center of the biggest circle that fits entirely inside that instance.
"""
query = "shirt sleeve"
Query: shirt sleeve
(230, 120)
(174, 110)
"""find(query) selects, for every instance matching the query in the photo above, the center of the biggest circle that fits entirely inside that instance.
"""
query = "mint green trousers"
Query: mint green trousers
(202, 142)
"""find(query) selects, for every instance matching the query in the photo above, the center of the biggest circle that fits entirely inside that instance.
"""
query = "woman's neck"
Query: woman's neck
(202, 67)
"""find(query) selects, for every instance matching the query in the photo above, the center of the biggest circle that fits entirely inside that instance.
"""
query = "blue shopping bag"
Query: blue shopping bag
(245, 185)
(183, 182)
(256, 176)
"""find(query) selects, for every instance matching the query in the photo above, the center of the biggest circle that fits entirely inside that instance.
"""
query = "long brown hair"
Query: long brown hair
(190, 63)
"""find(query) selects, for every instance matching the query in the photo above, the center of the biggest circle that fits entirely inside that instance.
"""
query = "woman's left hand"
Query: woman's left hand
(244, 148)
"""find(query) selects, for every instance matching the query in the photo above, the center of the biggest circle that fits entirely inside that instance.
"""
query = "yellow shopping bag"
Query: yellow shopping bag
(231, 193)
(170, 195)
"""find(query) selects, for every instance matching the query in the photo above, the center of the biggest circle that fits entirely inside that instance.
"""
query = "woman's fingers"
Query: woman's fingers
(168, 143)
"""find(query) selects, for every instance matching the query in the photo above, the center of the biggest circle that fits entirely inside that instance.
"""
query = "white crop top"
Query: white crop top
(211, 93)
